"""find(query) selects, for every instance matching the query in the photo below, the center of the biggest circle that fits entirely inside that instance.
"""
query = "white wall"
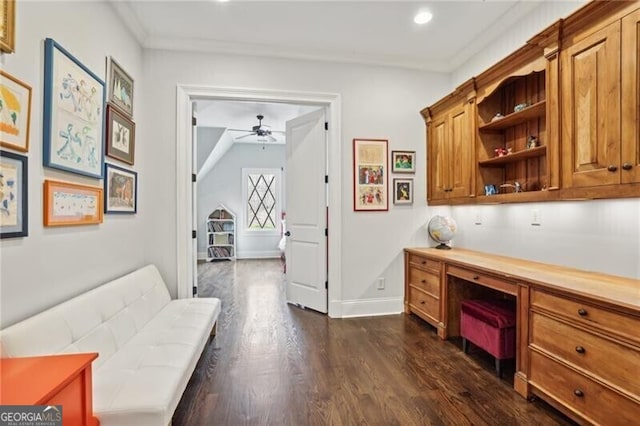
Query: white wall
(223, 185)
(53, 264)
(601, 236)
(377, 102)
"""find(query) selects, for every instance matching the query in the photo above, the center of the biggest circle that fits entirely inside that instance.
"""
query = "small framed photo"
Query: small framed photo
(370, 170)
(403, 191)
(120, 190)
(403, 161)
(120, 88)
(71, 204)
(14, 197)
(121, 136)
(7, 25)
(15, 112)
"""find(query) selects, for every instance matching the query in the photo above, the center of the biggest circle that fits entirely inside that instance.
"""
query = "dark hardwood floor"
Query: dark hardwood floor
(275, 364)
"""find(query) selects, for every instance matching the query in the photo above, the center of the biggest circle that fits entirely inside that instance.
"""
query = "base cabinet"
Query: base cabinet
(422, 288)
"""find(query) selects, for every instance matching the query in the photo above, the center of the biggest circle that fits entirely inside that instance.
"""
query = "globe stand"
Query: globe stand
(443, 246)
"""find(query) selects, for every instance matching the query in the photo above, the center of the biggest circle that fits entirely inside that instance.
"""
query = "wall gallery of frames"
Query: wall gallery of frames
(84, 120)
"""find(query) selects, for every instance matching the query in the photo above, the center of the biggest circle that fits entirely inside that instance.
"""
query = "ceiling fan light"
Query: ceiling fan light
(423, 17)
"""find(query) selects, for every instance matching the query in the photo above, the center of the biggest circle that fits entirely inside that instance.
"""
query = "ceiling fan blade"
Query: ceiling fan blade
(278, 131)
(273, 139)
(245, 136)
(240, 130)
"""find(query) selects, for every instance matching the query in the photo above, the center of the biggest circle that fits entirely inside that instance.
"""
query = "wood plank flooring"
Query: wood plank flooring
(275, 364)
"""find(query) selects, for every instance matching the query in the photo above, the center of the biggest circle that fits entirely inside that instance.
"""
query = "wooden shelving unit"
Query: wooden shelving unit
(533, 111)
(538, 151)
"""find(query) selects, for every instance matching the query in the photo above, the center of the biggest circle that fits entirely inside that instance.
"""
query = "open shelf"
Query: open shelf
(538, 151)
(533, 111)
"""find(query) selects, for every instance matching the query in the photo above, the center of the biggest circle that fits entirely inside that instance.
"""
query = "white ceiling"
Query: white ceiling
(369, 32)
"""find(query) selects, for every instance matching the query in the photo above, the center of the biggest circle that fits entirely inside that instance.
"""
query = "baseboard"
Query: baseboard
(372, 307)
(258, 254)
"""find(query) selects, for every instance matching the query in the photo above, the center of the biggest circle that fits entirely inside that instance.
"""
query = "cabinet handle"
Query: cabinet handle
(612, 168)
(423, 281)
(422, 302)
(578, 393)
(627, 166)
(424, 262)
(580, 349)
(582, 312)
(476, 278)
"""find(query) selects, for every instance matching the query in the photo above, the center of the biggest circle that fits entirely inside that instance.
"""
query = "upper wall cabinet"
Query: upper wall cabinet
(630, 158)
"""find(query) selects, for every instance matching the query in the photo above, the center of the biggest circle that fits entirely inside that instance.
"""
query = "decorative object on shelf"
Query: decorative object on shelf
(509, 150)
(120, 88)
(490, 190)
(14, 197)
(532, 142)
(520, 107)
(73, 114)
(517, 187)
(497, 117)
(71, 204)
(221, 234)
(120, 190)
(370, 169)
(403, 161)
(501, 152)
(121, 136)
(403, 191)
(7, 25)
(15, 114)
(442, 229)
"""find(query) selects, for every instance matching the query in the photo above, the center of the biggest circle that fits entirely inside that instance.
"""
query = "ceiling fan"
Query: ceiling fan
(262, 132)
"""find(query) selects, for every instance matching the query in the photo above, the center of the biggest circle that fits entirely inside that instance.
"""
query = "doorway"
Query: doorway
(185, 250)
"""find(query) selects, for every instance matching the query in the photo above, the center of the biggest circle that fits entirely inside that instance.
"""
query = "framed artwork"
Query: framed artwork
(120, 190)
(121, 136)
(15, 112)
(403, 161)
(7, 25)
(403, 191)
(370, 169)
(74, 99)
(120, 88)
(14, 197)
(71, 204)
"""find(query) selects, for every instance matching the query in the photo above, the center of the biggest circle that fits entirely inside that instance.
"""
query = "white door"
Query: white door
(306, 207)
(194, 194)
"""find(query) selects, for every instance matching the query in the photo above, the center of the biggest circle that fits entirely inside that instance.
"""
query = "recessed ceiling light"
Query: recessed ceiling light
(422, 18)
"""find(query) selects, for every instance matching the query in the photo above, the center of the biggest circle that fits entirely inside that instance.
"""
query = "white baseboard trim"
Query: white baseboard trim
(258, 254)
(371, 307)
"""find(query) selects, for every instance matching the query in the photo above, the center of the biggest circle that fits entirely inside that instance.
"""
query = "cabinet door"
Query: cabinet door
(631, 98)
(461, 146)
(591, 109)
(438, 161)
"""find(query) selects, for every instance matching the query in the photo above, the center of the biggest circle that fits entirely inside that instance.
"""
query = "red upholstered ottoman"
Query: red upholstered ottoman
(490, 325)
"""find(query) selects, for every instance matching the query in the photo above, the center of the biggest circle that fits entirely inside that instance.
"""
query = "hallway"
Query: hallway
(274, 364)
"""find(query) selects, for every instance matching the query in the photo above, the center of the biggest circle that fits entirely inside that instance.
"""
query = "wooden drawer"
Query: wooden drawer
(587, 398)
(424, 302)
(426, 281)
(425, 263)
(612, 362)
(590, 315)
(483, 279)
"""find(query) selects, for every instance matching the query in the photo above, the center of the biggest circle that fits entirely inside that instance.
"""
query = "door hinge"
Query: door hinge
(326, 285)
(194, 121)
(195, 291)
(194, 234)
(326, 125)
(326, 232)
(326, 178)
(193, 177)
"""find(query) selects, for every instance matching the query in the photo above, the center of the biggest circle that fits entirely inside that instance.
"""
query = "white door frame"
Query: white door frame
(184, 223)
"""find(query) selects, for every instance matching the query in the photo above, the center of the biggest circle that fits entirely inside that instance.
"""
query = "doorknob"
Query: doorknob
(287, 234)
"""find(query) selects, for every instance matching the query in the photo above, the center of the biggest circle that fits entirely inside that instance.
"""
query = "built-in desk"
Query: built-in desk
(578, 332)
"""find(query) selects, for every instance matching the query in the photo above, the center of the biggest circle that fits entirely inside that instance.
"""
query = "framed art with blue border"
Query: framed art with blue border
(120, 190)
(14, 185)
(74, 99)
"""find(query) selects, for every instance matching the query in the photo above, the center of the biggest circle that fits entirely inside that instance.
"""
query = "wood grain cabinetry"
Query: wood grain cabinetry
(577, 340)
(630, 159)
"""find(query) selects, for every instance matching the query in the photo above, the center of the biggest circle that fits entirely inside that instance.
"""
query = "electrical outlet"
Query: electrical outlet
(536, 219)
(381, 283)
(477, 217)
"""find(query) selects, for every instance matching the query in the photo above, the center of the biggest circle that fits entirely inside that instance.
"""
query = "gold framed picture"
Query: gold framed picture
(7, 25)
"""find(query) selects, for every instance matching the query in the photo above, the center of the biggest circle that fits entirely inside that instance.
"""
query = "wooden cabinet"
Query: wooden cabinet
(422, 288)
(583, 355)
(630, 159)
(450, 147)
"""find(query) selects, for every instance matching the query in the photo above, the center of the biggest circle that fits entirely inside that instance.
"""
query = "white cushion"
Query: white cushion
(148, 344)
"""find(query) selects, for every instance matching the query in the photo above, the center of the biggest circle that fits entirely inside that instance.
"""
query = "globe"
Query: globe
(442, 229)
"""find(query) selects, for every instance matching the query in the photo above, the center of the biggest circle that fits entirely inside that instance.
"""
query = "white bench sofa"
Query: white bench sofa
(148, 344)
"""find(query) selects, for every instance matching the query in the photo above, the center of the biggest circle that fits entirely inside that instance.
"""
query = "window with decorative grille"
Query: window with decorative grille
(262, 198)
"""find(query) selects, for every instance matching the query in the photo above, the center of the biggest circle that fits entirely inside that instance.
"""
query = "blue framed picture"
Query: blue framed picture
(14, 197)
(120, 190)
(74, 99)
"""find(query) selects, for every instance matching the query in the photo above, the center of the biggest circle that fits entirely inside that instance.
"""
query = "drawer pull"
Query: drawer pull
(578, 393)
(422, 302)
(582, 312)
(580, 349)
(476, 278)
(423, 281)
(424, 262)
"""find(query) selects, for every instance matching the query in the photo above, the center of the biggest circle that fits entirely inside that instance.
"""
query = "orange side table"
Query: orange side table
(51, 380)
